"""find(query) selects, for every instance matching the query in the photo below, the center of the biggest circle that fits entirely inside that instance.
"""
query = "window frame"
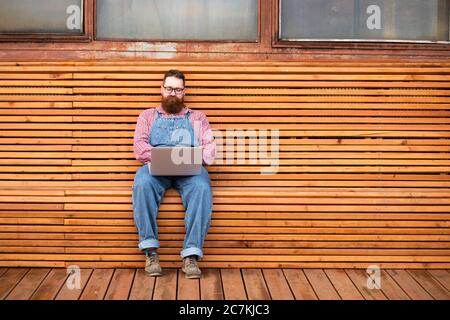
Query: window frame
(277, 42)
(85, 36)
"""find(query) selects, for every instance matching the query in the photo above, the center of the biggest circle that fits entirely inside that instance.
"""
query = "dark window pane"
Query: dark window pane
(41, 16)
(405, 20)
(409, 20)
(317, 19)
(178, 19)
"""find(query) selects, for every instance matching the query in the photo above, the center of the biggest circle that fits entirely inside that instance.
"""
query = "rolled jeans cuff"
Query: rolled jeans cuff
(150, 243)
(191, 251)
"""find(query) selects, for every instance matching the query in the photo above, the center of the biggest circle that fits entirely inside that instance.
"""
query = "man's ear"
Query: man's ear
(162, 89)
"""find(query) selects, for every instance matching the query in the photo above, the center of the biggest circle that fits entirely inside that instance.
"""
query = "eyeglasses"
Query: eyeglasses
(169, 90)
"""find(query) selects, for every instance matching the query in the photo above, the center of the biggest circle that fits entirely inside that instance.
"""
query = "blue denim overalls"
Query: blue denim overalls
(195, 191)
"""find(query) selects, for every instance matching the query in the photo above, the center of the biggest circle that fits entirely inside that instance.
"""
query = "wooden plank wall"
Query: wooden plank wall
(363, 177)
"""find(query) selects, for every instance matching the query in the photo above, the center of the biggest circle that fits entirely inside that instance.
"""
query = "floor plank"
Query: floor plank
(233, 284)
(321, 284)
(299, 284)
(343, 284)
(391, 289)
(359, 278)
(211, 285)
(188, 289)
(51, 285)
(143, 285)
(3, 270)
(409, 285)
(9, 279)
(97, 285)
(166, 286)
(255, 285)
(443, 276)
(277, 284)
(69, 291)
(28, 285)
(120, 286)
(430, 284)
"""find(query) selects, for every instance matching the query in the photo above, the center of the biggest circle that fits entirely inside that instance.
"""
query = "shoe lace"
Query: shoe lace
(153, 258)
(191, 260)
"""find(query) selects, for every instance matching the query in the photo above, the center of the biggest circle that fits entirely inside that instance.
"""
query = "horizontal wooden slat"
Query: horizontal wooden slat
(253, 91)
(224, 251)
(143, 81)
(219, 105)
(169, 246)
(234, 68)
(65, 97)
(332, 115)
(244, 264)
(233, 258)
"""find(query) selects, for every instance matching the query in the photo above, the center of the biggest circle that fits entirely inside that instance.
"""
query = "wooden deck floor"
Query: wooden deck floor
(224, 284)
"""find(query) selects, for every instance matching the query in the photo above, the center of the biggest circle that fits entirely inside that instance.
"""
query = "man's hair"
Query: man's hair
(174, 73)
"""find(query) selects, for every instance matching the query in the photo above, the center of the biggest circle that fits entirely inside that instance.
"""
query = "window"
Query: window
(177, 20)
(58, 17)
(361, 20)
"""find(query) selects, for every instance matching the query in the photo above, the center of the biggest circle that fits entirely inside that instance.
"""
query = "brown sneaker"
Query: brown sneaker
(190, 267)
(152, 266)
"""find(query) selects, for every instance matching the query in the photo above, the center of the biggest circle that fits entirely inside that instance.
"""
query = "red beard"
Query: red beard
(172, 104)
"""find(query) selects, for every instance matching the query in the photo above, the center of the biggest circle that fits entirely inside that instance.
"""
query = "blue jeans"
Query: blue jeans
(195, 191)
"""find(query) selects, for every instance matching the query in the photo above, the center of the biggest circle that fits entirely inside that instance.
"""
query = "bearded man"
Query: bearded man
(155, 127)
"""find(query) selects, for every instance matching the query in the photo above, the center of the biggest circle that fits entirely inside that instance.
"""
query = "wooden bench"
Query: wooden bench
(363, 177)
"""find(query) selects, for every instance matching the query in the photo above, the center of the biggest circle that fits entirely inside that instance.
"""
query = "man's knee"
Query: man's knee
(143, 179)
(202, 184)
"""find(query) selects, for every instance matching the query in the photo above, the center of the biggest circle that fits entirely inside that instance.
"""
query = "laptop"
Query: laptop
(176, 161)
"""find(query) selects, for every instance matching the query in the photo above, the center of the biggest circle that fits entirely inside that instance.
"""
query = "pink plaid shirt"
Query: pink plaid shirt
(202, 132)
